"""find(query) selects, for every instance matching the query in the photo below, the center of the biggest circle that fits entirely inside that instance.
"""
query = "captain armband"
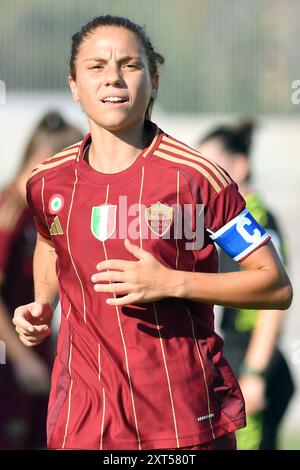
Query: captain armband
(240, 236)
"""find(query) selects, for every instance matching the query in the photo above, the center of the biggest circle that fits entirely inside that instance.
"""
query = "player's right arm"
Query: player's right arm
(32, 321)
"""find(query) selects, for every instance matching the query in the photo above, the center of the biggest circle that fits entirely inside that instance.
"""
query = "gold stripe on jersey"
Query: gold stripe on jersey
(103, 416)
(69, 248)
(209, 414)
(103, 397)
(43, 202)
(99, 362)
(47, 166)
(140, 212)
(70, 393)
(167, 374)
(195, 260)
(74, 146)
(177, 201)
(67, 151)
(201, 170)
(69, 311)
(198, 158)
(124, 347)
(152, 143)
(206, 160)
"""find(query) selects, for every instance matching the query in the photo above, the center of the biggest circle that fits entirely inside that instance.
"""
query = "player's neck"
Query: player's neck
(112, 152)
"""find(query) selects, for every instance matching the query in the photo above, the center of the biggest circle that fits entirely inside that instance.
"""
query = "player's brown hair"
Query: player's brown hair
(154, 58)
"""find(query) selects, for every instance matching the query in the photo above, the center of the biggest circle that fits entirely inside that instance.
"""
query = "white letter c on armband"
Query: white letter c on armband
(248, 237)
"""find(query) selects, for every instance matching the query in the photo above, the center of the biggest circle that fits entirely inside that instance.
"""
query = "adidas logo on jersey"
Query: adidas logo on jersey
(55, 228)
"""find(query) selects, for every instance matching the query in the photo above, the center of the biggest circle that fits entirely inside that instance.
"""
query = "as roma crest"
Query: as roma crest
(159, 218)
(103, 221)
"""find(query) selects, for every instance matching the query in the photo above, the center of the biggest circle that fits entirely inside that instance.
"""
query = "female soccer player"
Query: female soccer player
(138, 364)
(25, 378)
(250, 336)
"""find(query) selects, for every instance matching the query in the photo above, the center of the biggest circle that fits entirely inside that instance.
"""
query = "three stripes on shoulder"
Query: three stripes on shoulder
(70, 153)
(172, 150)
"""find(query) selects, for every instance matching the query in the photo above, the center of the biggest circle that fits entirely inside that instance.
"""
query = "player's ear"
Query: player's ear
(74, 89)
(154, 81)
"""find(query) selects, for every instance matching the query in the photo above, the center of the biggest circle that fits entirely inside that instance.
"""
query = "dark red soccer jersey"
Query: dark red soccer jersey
(142, 376)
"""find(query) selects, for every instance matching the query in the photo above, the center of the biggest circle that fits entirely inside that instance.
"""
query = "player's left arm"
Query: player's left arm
(263, 283)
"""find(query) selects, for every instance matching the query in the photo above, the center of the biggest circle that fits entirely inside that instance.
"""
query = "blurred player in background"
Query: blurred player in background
(138, 364)
(25, 378)
(251, 336)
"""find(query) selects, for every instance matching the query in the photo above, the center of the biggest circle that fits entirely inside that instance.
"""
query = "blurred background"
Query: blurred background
(225, 61)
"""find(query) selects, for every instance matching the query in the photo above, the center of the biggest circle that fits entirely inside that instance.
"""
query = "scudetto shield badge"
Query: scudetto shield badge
(159, 218)
(103, 221)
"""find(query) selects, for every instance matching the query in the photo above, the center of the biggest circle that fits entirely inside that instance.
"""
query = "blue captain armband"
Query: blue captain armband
(239, 237)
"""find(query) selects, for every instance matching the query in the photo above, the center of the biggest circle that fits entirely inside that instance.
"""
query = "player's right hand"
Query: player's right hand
(32, 322)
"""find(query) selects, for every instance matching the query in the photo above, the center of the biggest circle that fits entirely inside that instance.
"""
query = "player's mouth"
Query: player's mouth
(114, 100)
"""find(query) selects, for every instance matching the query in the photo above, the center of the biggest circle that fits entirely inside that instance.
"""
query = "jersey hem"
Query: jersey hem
(168, 443)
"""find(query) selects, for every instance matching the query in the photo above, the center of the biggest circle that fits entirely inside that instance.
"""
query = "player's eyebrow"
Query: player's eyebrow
(121, 59)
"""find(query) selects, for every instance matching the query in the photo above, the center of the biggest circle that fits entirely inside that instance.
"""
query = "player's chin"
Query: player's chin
(116, 122)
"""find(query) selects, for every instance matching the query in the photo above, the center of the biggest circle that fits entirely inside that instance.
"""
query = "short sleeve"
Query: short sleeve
(35, 203)
(226, 205)
(231, 226)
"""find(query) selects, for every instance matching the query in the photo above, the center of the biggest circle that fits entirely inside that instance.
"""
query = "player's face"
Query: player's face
(113, 82)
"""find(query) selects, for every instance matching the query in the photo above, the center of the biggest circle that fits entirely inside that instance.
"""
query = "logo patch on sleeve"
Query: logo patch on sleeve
(240, 236)
(56, 203)
(55, 228)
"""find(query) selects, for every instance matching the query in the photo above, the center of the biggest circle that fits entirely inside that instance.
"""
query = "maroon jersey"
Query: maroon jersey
(149, 375)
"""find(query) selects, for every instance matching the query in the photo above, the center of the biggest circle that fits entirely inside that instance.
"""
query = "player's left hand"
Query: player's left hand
(253, 389)
(144, 280)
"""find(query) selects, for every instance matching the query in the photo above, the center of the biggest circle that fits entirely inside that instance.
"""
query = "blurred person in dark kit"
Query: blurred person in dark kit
(251, 336)
(25, 377)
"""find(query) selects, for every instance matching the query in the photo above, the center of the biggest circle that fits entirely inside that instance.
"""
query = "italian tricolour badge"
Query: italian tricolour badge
(103, 221)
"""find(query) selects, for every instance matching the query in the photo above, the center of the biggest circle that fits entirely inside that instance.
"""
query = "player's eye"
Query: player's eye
(96, 67)
(131, 66)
